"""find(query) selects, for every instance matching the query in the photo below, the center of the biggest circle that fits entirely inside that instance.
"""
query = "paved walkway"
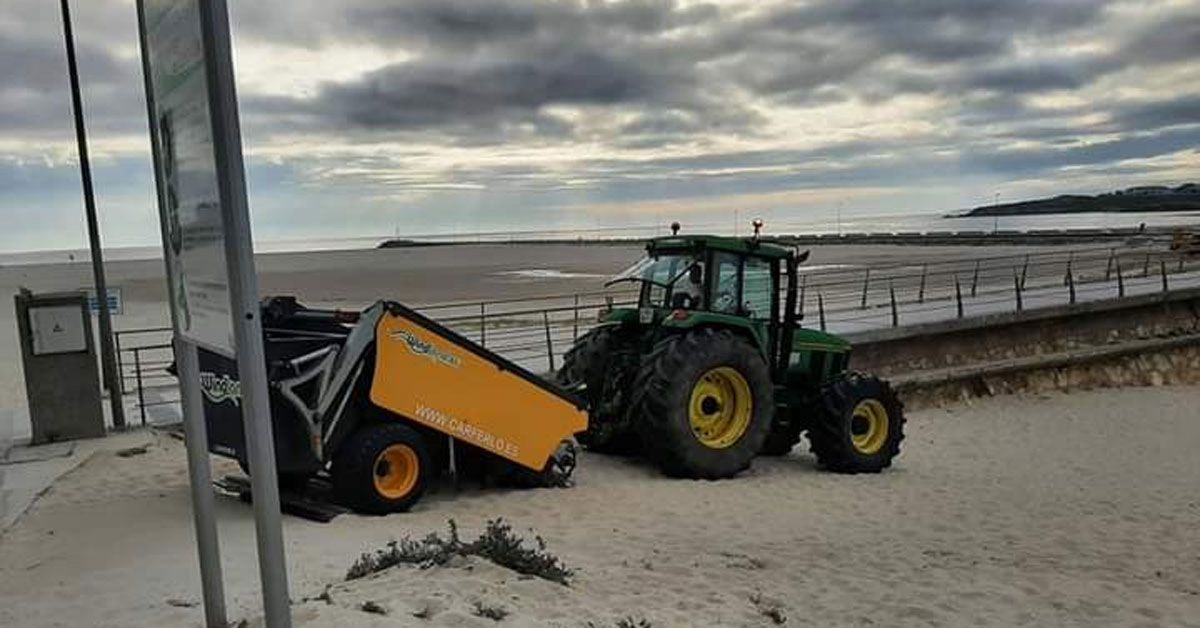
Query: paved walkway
(26, 472)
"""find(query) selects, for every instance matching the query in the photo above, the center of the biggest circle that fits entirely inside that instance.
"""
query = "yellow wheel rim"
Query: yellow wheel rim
(396, 471)
(720, 407)
(869, 426)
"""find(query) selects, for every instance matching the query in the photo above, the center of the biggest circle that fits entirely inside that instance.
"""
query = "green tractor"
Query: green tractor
(712, 368)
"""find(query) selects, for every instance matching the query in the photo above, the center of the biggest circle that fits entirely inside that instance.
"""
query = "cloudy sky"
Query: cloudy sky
(360, 117)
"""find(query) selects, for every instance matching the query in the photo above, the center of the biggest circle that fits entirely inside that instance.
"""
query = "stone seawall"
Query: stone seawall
(1145, 340)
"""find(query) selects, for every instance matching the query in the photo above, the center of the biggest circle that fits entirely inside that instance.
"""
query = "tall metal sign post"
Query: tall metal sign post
(197, 150)
(108, 356)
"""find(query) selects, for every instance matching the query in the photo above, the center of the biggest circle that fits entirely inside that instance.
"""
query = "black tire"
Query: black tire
(664, 390)
(594, 362)
(840, 419)
(361, 459)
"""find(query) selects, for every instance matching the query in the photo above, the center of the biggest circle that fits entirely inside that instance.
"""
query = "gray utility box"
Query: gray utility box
(62, 382)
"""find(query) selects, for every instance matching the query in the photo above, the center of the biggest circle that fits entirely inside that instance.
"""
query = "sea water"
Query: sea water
(782, 223)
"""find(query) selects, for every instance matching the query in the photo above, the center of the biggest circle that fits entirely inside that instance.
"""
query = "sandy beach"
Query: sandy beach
(1058, 510)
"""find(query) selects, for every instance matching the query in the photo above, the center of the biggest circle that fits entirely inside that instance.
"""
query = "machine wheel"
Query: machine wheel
(382, 468)
(589, 362)
(705, 402)
(859, 426)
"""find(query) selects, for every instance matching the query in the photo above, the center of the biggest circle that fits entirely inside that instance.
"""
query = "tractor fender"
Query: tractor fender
(686, 320)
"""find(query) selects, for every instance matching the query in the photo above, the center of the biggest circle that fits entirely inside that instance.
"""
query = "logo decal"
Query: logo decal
(220, 388)
(425, 349)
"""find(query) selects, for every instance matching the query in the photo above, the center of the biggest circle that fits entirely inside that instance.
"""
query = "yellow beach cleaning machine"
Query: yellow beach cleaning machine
(384, 400)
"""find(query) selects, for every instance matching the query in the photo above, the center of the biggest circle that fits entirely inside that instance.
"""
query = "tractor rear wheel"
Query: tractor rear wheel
(382, 468)
(595, 362)
(859, 426)
(704, 403)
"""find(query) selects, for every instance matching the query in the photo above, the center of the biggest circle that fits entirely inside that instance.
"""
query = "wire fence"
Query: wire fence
(536, 331)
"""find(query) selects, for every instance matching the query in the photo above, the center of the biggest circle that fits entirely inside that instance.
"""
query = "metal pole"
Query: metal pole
(975, 279)
(108, 360)
(482, 325)
(1163, 268)
(575, 326)
(1017, 287)
(866, 284)
(244, 308)
(921, 290)
(800, 306)
(821, 310)
(958, 296)
(1120, 280)
(1024, 271)
(120, 366)
(549, 343)
(1067, 274)
(137, 368)
(204, 516)
(1112, 253)
(895, 314)
(1071, 284)
(1146, 266)
(199, 475)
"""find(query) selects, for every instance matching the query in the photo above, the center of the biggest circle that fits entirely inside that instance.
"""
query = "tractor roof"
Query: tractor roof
(738, 246)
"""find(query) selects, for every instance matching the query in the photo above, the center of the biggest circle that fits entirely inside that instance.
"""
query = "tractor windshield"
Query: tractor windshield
(661, 271)
(662, 275)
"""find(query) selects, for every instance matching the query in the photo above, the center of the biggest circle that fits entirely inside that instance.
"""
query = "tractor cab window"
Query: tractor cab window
(757, 289)
(725, 288)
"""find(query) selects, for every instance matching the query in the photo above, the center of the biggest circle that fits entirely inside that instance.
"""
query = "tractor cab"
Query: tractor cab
(695, 280)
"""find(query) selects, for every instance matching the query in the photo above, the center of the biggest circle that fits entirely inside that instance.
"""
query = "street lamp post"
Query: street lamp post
(108, 358)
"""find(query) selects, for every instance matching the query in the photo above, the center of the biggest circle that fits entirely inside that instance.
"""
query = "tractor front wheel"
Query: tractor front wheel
(382, 468)
(859, 426)
(705, 404)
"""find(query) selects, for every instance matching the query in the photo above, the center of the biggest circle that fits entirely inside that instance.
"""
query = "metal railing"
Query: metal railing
(143, 356)
(536, 331)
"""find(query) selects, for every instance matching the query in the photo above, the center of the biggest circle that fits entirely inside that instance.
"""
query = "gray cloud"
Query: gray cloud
(634, 79)
(34, 101)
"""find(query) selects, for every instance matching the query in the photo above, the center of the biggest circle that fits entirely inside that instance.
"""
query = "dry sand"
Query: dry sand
(1077, 509)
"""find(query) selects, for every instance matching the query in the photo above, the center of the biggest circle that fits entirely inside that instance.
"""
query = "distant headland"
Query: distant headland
(1146, 198)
